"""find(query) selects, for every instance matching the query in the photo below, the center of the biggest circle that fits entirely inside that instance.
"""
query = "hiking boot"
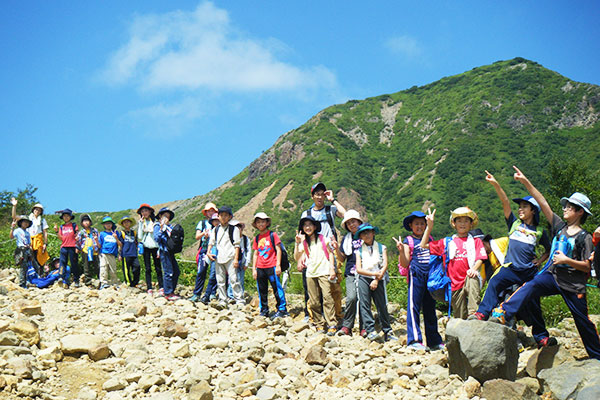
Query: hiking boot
(438, 347)
(390, 337)
(264, 314)
(331, 331)
(194, 298)
(344, 331)
(417, 346)
(372, 336)
(280, 314)
(547, 341)
(498, 316)
(363, 333)
(475, 316)
(204, 301)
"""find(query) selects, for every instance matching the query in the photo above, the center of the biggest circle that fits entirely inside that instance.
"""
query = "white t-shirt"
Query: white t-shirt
(371, 259)
(317, 263)
(38, 224)
(321, 216)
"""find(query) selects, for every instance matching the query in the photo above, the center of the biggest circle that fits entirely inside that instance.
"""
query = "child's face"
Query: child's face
(37, 211)
(318, 197)
(261, 224)
(145, 213)
(418, 226)
(571, 213)
(24, 225)
(309, 228)
(66, 218)
(525, 211)
(127, 224)
(225, 218)
(462, 225)
(352, 225)
(367, 236)
(488, 247)
(214, 222)
(85, 223)
(107, 226)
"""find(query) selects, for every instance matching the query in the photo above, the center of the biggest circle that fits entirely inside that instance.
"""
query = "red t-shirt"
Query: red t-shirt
(459, 265)
(266, 255)
(67, 235)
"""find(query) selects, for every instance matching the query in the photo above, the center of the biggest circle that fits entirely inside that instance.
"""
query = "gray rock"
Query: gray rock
(147, 381)
(21, 367)
(316, 355)
(567, 380)
(80, 343)
(432, 374)
(483, 350)
(180, 350)
(547, 357)
(114, 384)
(501, 389)
(200, 391)
(217, 342)
(9, 338)
(266, 393)
(87, 393)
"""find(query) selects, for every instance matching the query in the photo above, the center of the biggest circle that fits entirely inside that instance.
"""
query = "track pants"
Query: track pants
(503, 279)
(170, 271)
(419, 299)
(68, 255)
(151, 255)
(264, 278)
(378, 296)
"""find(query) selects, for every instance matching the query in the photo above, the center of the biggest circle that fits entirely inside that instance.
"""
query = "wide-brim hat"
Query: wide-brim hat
(365, 227)
(464, 212)
(534, 204)
(235, 222)
(38, 205)
(107, 219)
(316, 223)
(261, 215)
(226, 209)
(350, 214)
(84, 217)
(55, 259)
(477, 233)
(144, 205)
(22, 218)
(317, 186)
(579, 199)
(166, 210)
(410, 217)
(209, 206)
(65, 211)
(126, 218)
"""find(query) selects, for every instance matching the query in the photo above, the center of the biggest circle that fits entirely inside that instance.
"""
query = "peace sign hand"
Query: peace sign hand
(399, 244)
(300, 237)
(430, 217)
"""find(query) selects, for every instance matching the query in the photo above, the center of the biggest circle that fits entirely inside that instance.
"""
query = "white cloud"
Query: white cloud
(404, 45)
(201, 49)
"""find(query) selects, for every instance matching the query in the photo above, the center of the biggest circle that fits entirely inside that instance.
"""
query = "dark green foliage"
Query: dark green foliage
(25, 197)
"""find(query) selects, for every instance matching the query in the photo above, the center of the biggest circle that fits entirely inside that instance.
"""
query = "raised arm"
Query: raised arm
(519, 176)
(341, 210)
(430, 217)
(404, 255)
(13, 211)
(501, 194)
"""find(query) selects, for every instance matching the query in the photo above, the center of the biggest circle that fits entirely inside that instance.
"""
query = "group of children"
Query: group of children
(516, 276)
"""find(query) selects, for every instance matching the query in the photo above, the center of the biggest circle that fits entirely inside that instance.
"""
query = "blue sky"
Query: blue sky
(106, 105)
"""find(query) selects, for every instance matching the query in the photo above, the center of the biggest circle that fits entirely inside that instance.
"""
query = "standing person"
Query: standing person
(67, 233)
(226, 239)
(109, 240)
(245, 258)
(414, 257)
(465, 258)
(23, 254)
(346, 252)
(38, 232)
(521, 263)
(150, 247)
(89, 246)
(326, 214)
(211, 287)
(162, 232)
(314, 249)
(266, 266)
(202, 234)
(371, 265)
(129, 253)
(566, 273)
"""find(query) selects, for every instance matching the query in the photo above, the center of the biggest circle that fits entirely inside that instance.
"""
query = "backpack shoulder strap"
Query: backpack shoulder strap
(330, 220)
(256, 240)
(217, 234)
(380, 248)
(322, 240)
(231, 229)
(411, 243)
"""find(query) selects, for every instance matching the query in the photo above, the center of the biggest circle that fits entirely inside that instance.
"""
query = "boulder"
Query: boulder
(9, 338)
(28, 307)
(200, 391)
(147, 381)
(170, 328)
(26, 330)
(316, 355)
(92, 345)
(51, 352)
(483, 350)
(547, 357)
(502, 389)
(567, 380)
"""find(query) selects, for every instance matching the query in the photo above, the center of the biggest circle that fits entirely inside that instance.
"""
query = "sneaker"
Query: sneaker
(320, 330)
(438, 347)
(331, 331)
(280, 314)
(475, 316)
(150, 292)
(498, 316)
(417, 346)
(547, 341)
(390, 337)
(363, 333)
(104, 286)
(265, 314)
(306, 319)
(172, 297)
(372, 336)
(344, 331)
(194, 298)
(161, 292)
(76, 284)
(204, 301)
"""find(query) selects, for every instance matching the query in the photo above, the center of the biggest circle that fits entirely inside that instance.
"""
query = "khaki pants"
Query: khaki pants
(466, 300)
(317, 288)
(336, 293)
(108, 269)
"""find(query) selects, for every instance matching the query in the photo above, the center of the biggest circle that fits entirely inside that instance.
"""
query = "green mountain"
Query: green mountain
(426, 146)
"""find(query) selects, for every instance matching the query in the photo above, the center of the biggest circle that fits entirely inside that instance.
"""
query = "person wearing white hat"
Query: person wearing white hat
(38, 232)
(203, 230)
(565, 273)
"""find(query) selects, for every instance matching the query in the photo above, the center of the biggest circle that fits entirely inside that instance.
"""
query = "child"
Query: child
(202, 233)
(110, 240)
(162, 231)
(320, 270)
(465, 257)
(371, 265)
(129, 253)
(245, 258)
(88, 245)
(596, 256)
(38, 232)
(45, 281)
(565, 274)
(266, 266)
(211, 287)
(520, 264)
(345, 252)
(23, 255)
(67, 233)
(416, 259)
(226, 239)
(150, 247)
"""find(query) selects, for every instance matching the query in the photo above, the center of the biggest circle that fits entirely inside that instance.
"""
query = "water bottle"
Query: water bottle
(140, 249)
(563, 246)
(90, 253)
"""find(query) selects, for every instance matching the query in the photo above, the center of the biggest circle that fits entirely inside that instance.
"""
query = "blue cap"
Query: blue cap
(319, 185)
(407, 221)
(579, 199)
(65, 211)
(365, 227)
(166, 210)
(226, 210)
(534, 203)
(316, 223)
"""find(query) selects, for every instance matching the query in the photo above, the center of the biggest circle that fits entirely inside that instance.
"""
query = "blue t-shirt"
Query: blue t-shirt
(22, 237)
(129, 244)
(108, 244)
(522, 243)
(419, 260)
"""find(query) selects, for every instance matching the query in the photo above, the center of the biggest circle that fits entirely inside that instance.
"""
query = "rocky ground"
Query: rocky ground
(125, 344)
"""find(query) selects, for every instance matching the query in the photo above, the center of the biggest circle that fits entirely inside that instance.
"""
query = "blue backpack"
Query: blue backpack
(438, 282)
